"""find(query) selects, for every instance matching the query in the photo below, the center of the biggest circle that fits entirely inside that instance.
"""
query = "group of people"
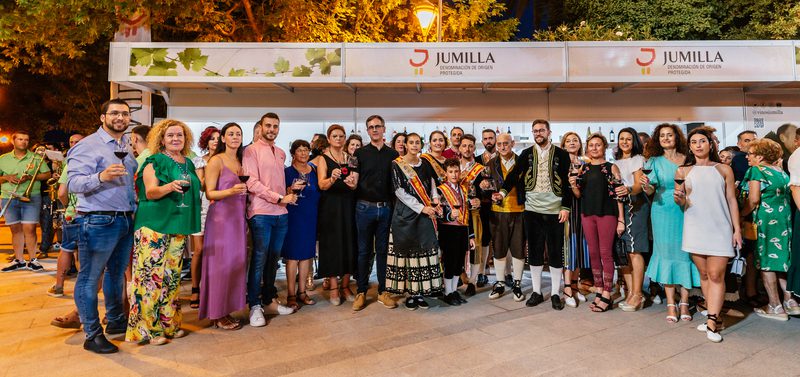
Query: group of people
(666, 209)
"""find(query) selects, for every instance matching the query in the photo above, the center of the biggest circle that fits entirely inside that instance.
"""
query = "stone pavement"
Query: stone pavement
(481, 338)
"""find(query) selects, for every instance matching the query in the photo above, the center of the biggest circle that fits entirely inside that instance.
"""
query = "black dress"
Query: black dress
(413, 263)
(337, 232)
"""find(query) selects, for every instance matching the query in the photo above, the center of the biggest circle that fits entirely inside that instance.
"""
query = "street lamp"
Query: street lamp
(426, 13)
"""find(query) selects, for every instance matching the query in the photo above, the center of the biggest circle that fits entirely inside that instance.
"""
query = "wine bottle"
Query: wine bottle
(509, 130)
(611, 136)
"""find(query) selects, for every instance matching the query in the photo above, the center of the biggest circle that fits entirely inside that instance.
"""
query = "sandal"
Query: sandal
(672, 318)
(633, 308)
(713, 335)
(195, 302)
(227, 323)
(685, 317)
(326, 284)
(597, 309)
(291, 301)
(303, 297)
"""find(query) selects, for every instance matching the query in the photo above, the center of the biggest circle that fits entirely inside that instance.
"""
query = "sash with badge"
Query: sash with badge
(437, 167)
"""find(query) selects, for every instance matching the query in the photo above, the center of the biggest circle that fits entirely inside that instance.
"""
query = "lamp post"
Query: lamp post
(426, 12)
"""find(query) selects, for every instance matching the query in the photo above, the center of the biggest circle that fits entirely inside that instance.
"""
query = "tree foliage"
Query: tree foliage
(53, 53)
(678, 20)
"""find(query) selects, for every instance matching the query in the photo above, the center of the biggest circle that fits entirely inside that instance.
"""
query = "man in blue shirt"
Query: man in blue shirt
(103, 183)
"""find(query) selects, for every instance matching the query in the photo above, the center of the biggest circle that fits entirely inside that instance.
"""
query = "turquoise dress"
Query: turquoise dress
(669, 264)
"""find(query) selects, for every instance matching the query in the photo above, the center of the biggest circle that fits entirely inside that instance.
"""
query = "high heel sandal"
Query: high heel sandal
(303, 297)
(194, 304)
(685, 317)
(576, 291)
(597, 309)
(633, 308)
(714, 335)
(569, 299)
(672, 318)
(337, 300)
(227, 323)
(291, 302)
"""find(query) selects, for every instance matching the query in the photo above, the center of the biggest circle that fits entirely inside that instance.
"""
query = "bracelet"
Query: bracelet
(621, 222)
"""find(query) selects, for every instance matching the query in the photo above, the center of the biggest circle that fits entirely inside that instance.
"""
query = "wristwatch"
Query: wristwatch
(280, 199)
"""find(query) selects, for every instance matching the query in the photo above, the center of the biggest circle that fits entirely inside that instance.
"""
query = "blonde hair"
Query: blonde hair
(156, 136)
(580, 143)
(770, 150)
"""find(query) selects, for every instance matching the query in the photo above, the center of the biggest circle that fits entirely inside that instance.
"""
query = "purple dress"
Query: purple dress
(222, 287)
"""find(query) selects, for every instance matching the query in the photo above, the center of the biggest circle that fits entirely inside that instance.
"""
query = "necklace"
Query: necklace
(180, 166)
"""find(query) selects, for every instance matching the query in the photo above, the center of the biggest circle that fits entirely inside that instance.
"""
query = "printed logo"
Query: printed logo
(418, 66)
(651, 52)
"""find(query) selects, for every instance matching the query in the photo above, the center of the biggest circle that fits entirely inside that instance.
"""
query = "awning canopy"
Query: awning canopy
(507, 66)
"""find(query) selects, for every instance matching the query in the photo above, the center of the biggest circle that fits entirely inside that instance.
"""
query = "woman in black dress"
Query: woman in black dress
(413, 263)
(337, 232)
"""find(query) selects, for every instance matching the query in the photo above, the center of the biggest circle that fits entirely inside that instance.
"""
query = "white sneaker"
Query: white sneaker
(257, 316)
(284, 310)
(713, 336)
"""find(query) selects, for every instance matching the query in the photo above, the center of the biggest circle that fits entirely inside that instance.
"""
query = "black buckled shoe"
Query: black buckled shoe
(535, 299)
(470, 291)
(99, 345)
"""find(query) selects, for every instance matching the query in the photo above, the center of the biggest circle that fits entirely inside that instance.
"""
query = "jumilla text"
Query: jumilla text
(463, 58)
(672, 57)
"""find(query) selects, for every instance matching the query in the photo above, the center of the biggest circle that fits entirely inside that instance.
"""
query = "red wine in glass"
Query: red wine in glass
(244, 178)
(121, 154)
(647, 171)
(185, 187)
(679, 181)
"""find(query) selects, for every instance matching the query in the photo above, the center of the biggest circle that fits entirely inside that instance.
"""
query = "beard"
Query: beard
(489, 148)
(540, 140)
(116, 125)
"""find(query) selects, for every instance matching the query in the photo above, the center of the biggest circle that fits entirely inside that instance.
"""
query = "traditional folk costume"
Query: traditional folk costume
(413, 263)
(454, 236)
(540, 178)
(471, 176)
(507, 231)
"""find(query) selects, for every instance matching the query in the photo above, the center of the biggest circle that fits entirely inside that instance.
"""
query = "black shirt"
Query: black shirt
(375, 173)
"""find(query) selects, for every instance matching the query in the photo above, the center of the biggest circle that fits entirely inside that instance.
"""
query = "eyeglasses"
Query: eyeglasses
(124, 114)
(503, 143)
(542, 131)
(374, 127)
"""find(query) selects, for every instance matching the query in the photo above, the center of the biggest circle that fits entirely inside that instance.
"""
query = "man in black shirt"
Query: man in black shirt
(374, 211)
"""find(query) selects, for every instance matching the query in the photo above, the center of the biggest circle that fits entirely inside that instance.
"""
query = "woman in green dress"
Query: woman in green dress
(767, 188)
(169, 211)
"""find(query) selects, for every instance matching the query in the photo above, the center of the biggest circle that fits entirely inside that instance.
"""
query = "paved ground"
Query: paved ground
(482, 338)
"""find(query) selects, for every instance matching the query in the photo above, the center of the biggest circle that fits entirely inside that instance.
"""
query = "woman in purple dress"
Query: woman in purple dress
(222, 290)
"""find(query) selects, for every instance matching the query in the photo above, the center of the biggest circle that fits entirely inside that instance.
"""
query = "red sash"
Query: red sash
(455, 198)
(436, 166)
(414, 180)
(472, 174)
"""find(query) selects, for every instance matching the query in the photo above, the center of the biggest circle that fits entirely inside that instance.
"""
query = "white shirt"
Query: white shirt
(794, 168)
(629, 166)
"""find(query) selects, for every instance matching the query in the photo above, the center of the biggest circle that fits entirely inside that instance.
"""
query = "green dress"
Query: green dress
(773, 218)
(163, 215)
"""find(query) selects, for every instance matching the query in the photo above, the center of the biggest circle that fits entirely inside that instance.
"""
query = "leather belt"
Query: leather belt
(375, 204)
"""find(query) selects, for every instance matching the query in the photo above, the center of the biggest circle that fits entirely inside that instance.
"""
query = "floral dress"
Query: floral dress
(772, 218)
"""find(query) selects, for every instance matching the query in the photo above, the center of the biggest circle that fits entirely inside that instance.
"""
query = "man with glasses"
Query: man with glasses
(103, 184)
(374, 211)
(540, 179)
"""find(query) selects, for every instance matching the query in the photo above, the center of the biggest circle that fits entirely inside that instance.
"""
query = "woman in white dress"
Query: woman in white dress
(710, 223)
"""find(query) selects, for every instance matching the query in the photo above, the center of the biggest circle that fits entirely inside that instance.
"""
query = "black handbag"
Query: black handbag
(621, 251)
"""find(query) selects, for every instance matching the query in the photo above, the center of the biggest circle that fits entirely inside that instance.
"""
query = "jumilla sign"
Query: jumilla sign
(681, 62)
(455, 62)
(452, 63)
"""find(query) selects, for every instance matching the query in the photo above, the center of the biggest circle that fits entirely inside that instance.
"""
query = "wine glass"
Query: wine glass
(243, 177)
(617, 183)
(120, 151)
(185, 184)
(302, 178)
(472, 194)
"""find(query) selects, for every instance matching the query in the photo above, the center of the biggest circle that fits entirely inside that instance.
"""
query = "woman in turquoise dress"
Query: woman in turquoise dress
(669, 265)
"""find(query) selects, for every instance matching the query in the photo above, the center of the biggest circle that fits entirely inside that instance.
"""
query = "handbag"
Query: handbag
(736, 269)
(749, 230)
(621, 251)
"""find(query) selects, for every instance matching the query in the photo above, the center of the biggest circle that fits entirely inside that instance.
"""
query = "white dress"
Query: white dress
(200, 163)
(707, 228)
